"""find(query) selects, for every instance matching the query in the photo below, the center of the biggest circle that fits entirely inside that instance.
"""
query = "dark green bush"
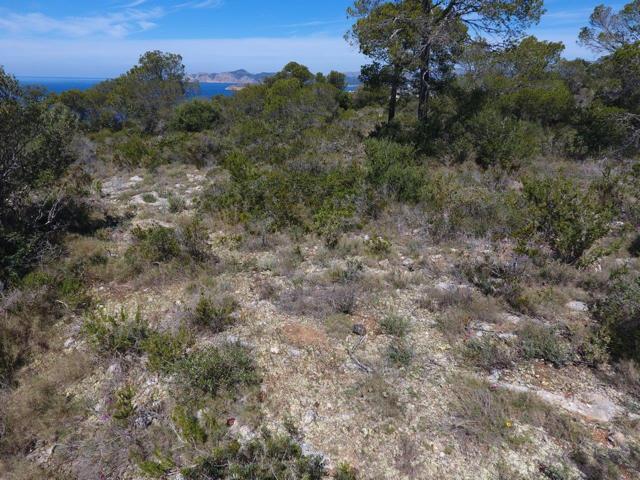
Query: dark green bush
(40, 197)
(214, 369)
(195, 116)
(619, 316)
(568, 218)
(502, 141)
(392, 167)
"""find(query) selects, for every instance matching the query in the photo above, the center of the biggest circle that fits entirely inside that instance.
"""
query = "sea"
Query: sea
(60, 84)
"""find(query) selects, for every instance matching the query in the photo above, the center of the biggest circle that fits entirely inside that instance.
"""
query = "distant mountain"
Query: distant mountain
(237, 76)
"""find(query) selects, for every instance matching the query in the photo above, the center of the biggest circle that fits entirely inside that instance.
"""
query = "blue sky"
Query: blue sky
(101, 38)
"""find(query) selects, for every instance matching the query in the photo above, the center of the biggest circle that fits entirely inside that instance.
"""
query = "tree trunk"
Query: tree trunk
(425, 57)
(425, 86)
(393, 96)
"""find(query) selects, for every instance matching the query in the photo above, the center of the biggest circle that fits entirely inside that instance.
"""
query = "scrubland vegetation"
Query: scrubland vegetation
(435, 276)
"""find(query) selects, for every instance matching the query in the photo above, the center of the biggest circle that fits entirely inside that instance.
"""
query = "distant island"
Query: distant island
(241, 78)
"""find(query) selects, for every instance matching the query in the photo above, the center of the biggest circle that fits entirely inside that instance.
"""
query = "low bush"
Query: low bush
(393, 168)
(503, 141)
(264, 458)
(165, 349)
(194, 238)
(569, 219)
(123, 406)
(400, 353)
(156, 244)
(544, 343)
(489, 353)
(116, 332)
(619, 315)
(215, 313)
(194, 116)
(395, 325)
(214, 369)
(188, 425)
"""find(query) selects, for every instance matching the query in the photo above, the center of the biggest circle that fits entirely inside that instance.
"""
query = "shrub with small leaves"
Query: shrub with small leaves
(395, 325)
(123, 406)
(116, 332)
(264, 458)
(345, 472)
(165, 349)
(214, 369)
(400, 353)
(156, 244)
(215, 313)
(537, 341)
(188, 425)
(619, 315)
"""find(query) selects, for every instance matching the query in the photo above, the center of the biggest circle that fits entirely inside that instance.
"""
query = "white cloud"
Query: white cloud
(116, 25)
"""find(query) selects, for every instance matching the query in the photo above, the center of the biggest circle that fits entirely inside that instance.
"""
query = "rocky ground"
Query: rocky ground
(316, 321)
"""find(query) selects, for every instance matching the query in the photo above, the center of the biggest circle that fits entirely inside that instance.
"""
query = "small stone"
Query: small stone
(617, 439)
(577, 306)
(408, 264)
(143, 420)
(231, 422)
(359, 329)
(275, 350)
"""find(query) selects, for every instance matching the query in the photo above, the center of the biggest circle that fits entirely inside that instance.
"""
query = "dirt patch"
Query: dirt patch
(302, 336)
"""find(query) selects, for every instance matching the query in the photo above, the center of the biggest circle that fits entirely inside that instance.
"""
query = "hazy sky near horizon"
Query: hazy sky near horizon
(103, 38)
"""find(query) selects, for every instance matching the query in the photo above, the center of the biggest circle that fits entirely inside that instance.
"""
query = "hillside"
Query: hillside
(237, 76)
(436, 276)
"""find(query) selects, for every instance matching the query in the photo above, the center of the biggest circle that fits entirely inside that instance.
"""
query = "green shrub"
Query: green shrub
(619, 316)
(157, 244)
(537, 341)
(570, 220)
(188, 425)
(159, 467)
(264, 458)
(216, 368)
(194, 237)
(116, 332)
(123, 406)
(400, 353)
(378, 245)
(176, 204)
(489, 353)
(194, 116)
(149, 198)
(503, 141)
(392, 167)
(166, 349)
(345, 472)
(395, 325)
(134, 151)
(216, 313)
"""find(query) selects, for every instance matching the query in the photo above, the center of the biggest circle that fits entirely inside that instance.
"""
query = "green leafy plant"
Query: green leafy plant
(215, 313)
(214, 369)
(116, 332)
